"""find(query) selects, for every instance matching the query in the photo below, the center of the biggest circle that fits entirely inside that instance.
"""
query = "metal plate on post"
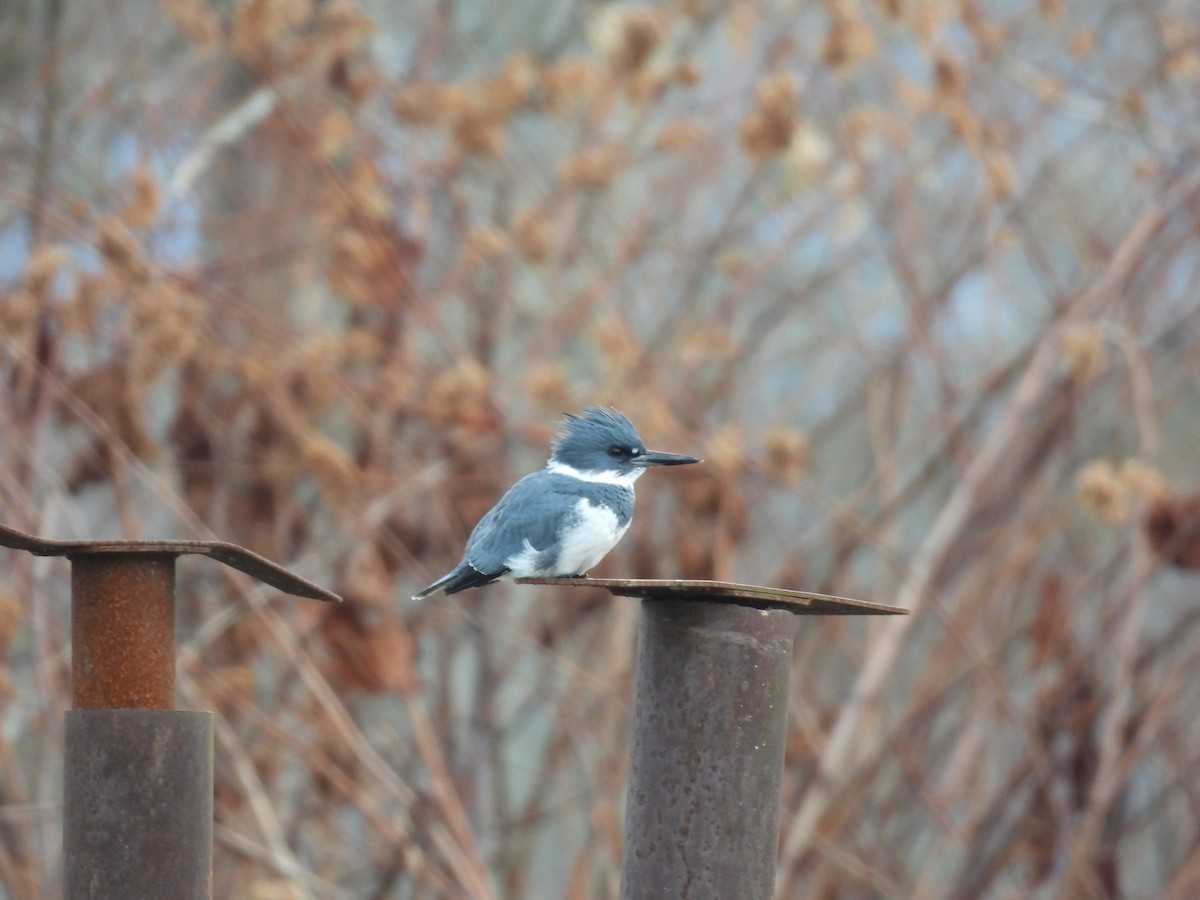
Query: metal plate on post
(138, 775)
(709, 732)
(230, 554)
(802, 603)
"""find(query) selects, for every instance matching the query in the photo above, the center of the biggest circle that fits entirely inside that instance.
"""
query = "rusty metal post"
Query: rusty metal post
(123, 631)
(138, 804)
(138, 774)
(709, 733)
(710, 725)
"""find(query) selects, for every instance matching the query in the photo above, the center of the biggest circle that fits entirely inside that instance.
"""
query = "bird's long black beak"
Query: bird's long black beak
(656, 458)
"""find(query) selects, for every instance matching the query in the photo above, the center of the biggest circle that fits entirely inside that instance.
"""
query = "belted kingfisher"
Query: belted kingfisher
(562, 520)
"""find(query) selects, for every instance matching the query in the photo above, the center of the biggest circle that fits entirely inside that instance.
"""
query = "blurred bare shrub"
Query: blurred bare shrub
(918, 279)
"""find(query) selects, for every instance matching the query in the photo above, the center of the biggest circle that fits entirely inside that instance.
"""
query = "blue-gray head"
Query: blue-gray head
(603, 443)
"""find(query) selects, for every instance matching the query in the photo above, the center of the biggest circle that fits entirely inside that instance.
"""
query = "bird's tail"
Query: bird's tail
(436, 586)
(462, 577)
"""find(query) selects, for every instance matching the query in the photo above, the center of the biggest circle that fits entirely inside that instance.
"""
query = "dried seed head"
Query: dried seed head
(988, 34)
(329, 462)
(1001, 174)
(122, 251)
(547, 385)
(486, 244)
(360, 345)
(850, 40)
(1101, 492)
(142, 208)
(81, 313)
(1171, 525)
(1183, 64)
(592, 168)
(460, 394)
(1147, 168)
(197, 20)
(367, 201)
(396, 382)
(1049, 89)
(626, 36)
(726, 450)
(964, 121)
(808, 157)
(912, 95)
(787, 452)
(687, 73)
(258, 24)
(1083, 42)
(617, 344)
(514, 88)
(768, 130)
(477, 128)
(18, 313)
(334, 131)
(44, 263)
(166, 321)
(1085, 352)
(345, 27)
(679, 136)
(423, 104)
(533, 235)
(520, 73)
(1143, 480)
(699, 9)
(571, 84)
(706, 344)
(733, 263)
(947, 75)
(362, 264)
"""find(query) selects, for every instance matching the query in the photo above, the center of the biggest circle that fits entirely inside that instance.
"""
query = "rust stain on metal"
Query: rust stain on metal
(802, 603)
(230, 554)
(123, 631)
(137, 812)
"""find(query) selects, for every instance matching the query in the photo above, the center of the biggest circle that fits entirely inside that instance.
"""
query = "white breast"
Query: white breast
(585, 543)
(582, 545)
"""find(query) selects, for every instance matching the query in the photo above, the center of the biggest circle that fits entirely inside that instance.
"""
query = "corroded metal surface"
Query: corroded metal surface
(709, 731)
(123, 631)
(230, 554)
(802, 603)
(138, 775)
(138, 804)
(710, 726)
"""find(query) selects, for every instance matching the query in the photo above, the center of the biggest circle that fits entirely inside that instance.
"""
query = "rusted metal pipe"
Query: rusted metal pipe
(710, 725)
(138, 804)
(138, 775)
(709, 731)
(123, 631)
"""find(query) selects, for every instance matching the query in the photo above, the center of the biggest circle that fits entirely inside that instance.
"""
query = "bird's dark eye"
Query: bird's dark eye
(618, 452)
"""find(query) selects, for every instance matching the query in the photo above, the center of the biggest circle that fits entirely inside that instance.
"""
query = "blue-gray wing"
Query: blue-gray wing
(533, 510)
